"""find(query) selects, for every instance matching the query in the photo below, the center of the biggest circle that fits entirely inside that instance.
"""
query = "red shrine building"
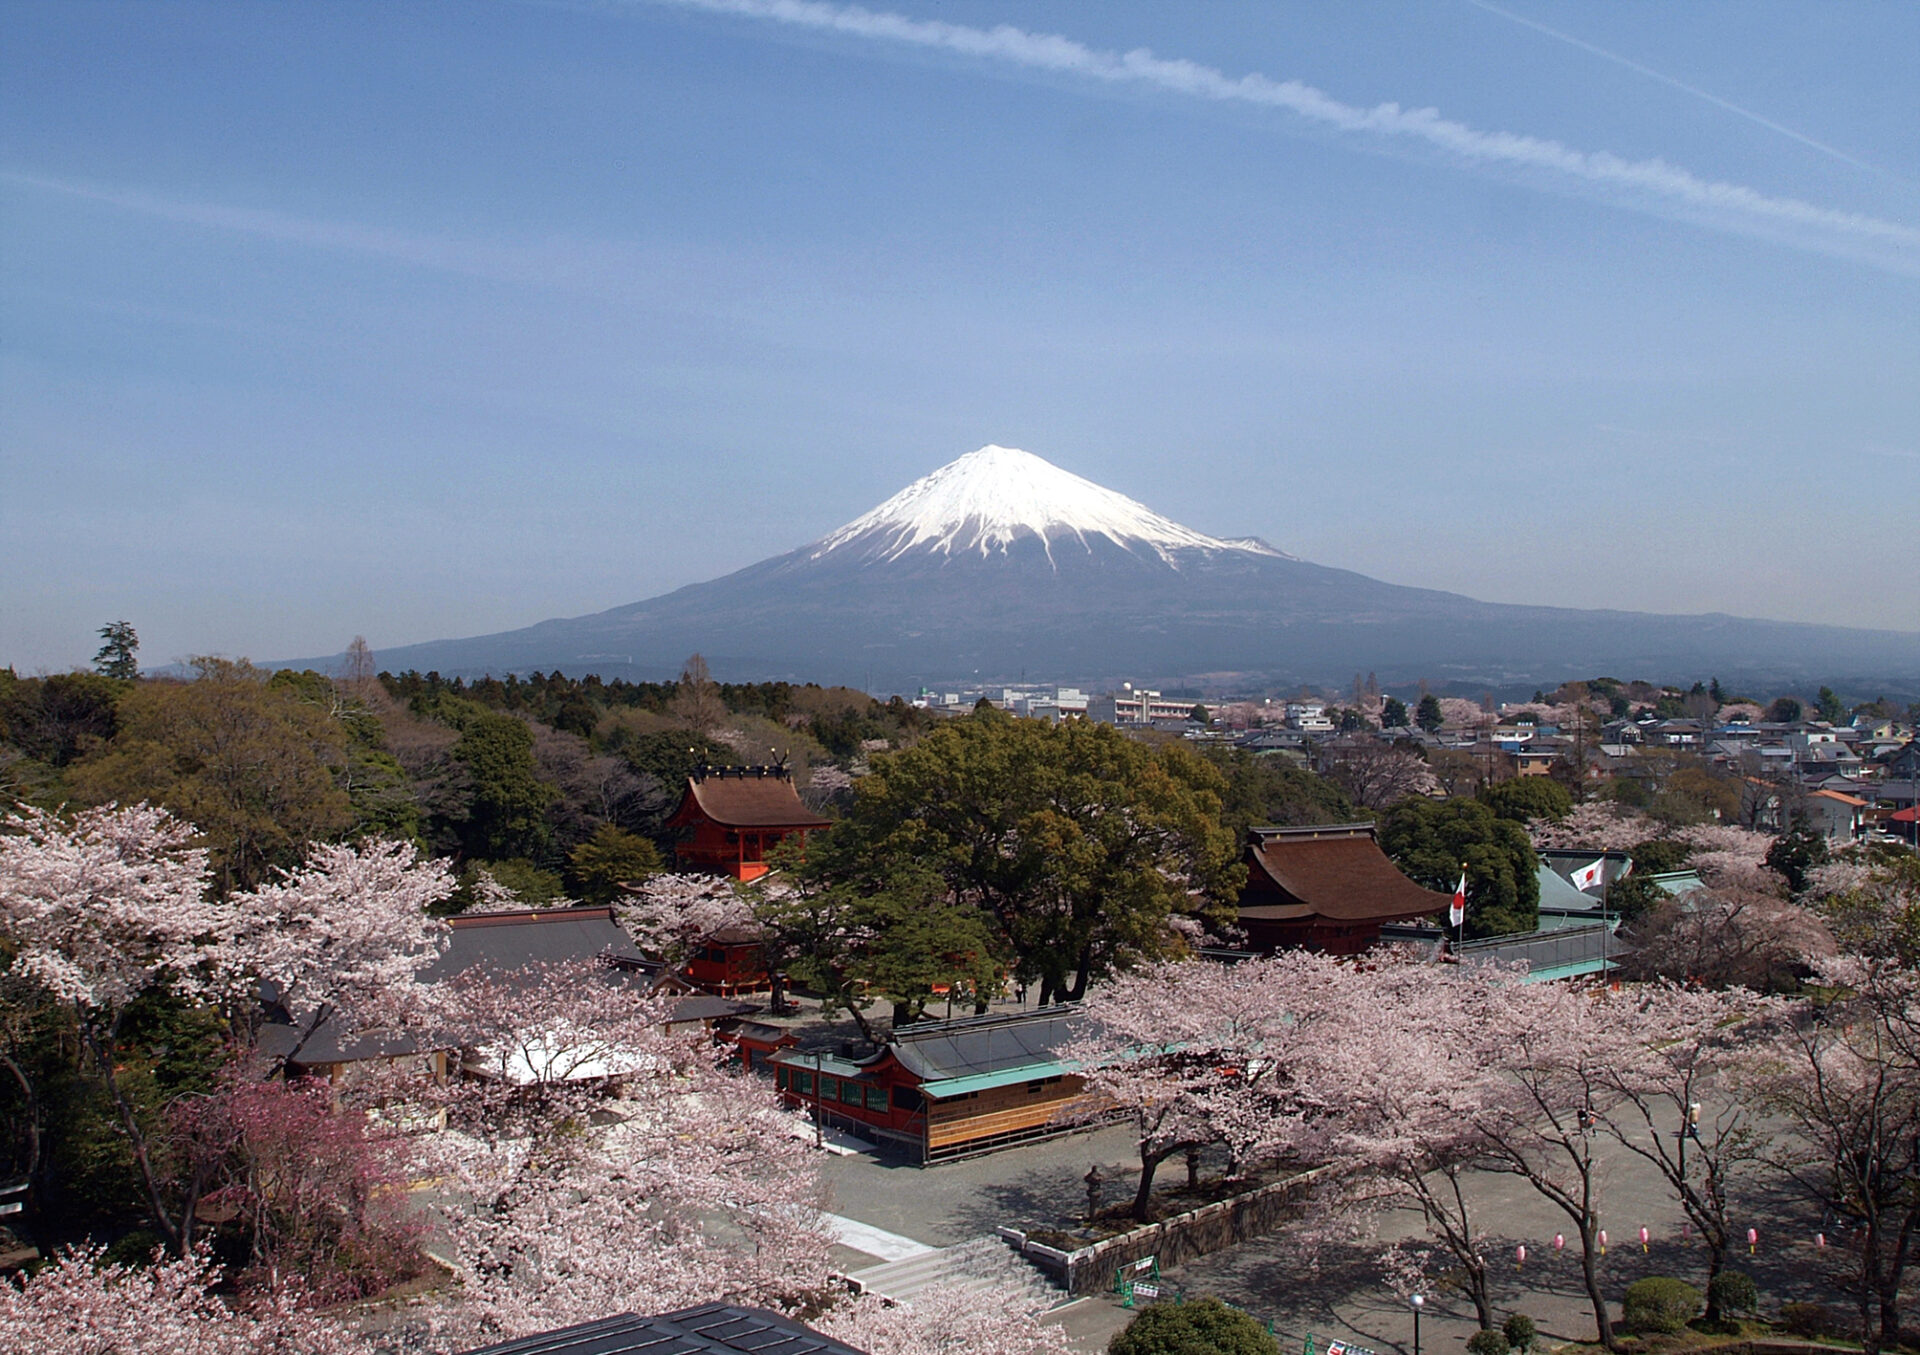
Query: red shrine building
(1328, 888)
(736, 816)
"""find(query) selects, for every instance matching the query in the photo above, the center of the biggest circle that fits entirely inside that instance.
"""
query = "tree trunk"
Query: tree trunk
(1149, 1163)
(1477, 1291)
(1082, 974)
(1590, 1274)
(102, 1047)
(32, 1114)
(1193, 1169)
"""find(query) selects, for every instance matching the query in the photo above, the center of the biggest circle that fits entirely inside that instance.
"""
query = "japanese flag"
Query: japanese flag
(1589, 876)
(1458, 912)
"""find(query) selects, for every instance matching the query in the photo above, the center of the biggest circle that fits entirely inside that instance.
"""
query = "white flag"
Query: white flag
(1457, 913)
(1589, 876)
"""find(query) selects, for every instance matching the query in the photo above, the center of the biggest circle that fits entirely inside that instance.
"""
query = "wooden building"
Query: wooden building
(730, 962)
(1328, 888)
(734, 816)
(945, 1089)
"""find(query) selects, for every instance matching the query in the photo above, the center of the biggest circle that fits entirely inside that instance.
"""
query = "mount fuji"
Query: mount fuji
(1001, 563)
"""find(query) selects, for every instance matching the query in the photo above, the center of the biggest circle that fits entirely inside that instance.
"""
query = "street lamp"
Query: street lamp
(1417, 1302)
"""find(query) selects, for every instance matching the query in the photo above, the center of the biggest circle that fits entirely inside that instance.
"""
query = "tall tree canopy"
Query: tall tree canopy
(1431, 839)
(1081, 845)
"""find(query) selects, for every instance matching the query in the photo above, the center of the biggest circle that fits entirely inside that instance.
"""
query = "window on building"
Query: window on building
(803, 1082)
(906, 1098)
(876, 1098)
(829, 1088)
(780, 1077)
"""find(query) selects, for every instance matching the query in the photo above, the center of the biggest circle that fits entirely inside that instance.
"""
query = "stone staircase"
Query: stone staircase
(983, 1265)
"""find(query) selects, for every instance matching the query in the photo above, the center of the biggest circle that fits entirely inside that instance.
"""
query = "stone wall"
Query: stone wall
(1198, 1232)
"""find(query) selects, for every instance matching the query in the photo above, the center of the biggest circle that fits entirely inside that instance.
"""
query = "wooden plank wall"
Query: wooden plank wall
(999, 1110)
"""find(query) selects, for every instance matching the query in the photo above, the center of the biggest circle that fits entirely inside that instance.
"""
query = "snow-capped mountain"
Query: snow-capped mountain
(1000, 563)
(988, 500)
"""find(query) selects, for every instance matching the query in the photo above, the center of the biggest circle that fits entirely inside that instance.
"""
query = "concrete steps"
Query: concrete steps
(983, 1265)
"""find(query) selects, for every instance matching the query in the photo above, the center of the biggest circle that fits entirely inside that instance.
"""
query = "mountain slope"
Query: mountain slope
(1000, 563)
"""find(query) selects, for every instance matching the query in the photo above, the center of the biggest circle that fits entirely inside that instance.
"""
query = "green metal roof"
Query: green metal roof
(1005, 1077)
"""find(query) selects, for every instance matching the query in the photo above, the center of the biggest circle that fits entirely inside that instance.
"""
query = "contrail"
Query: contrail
(1684, 88)
(1887, 244)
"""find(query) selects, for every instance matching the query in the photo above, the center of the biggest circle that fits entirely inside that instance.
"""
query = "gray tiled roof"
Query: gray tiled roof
(989, 1044)
(710, 1329)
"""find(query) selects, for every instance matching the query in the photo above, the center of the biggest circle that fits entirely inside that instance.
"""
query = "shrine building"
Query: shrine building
(945, 1089)
(1327, 888)
(736, 816)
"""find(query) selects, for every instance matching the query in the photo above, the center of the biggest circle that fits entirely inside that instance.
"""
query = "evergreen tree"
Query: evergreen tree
(116, 656)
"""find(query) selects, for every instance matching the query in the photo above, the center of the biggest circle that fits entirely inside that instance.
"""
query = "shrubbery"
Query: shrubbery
(1487, 1343)
(1203, 1325)
(1811, 1320)
(1660, 1304)
(1732, 1293)
(1519, 1331)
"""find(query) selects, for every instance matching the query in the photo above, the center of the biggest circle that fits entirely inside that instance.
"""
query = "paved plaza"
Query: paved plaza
(1335, 1292)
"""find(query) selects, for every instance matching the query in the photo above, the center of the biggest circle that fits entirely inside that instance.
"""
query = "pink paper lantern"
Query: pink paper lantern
(1520, 1255)
(1643, 1239)
(1603, 1241)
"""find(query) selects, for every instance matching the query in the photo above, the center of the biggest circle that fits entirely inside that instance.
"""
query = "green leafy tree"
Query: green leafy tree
(59, 718)
(1393, 713)
(253, 766)
(1202, 1327)
(507, 805)
(1428, 714)
(1784, 710)
(1079, 844)
(116, 657)
(896, 935)
(1527, 798)
(1200, 714)
(1430, 839)
(1796, 853)
(599, 867)
(1273, 792)
(1828, 707)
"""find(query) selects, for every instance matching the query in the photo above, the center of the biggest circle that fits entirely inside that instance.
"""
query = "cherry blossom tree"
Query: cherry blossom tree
(346, 936)
(548, 1025)
(1596, 826)
(316, 1192)
(103, 909)
(1554, 1048)
(1845, 1079)
(81, 1305)
(1409, 1117)
(1197, 1053)
(687, 1188)
(670, 914)
(1671, 1106)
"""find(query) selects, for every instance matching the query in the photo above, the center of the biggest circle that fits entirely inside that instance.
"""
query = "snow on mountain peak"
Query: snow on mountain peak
(987, 499)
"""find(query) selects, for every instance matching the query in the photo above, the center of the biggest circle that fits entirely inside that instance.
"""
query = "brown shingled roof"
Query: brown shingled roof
(1336, 872)
(737, 801)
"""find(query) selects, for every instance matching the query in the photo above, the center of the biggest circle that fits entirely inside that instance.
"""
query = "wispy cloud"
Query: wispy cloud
(1704, 96)
(500, 263)
(1653, 185)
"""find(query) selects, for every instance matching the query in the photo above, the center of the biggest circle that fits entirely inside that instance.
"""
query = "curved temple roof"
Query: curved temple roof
(734, 800)
(1336, 872)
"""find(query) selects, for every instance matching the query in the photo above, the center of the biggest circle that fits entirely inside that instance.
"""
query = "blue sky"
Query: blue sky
(436, 319)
